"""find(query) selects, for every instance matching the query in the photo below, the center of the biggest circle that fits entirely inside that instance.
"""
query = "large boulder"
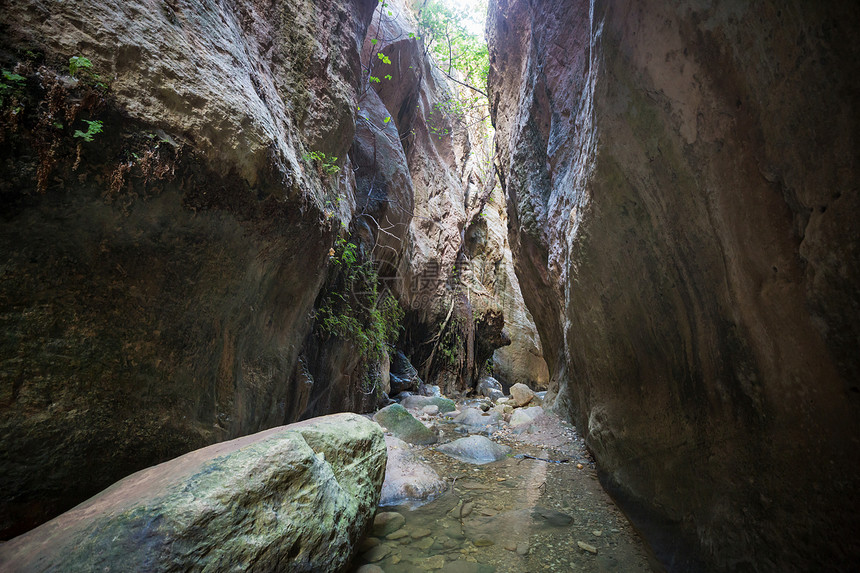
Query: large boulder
(475, 418)
(475, 450)
(403, 376)
(491, 388)
(397, 420)
(407, 479)
(521, 394)
(300, 495)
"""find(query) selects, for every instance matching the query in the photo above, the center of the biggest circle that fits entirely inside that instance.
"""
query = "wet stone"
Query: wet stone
(522, 548)
(387, 522)
(397, 534)
(421, 532)
(377, 553)
(587, 547)
(552, 517)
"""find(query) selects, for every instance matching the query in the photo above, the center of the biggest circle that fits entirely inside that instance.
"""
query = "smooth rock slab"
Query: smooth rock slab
(397, 420)
(475, 450)
(299, 494)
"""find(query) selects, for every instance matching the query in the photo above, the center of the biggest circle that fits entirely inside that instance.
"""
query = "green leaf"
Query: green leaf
(388, 77)
(94, 128)
(387, 119)
(373, 41)
(7, 75)
(78, 63)
(375, 79)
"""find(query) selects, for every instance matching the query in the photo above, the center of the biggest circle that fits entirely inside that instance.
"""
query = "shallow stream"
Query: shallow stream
(514, 515)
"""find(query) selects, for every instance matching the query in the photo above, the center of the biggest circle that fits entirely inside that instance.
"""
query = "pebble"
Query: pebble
(421, 532)
(425, 544)
(377, 553)
(435, 562)
(522, 548)
(386, 522)
(483, 540)
(510, 545)
(430, 410)
(586, 547)
(597, 533)
(467, 509)
(367, 544)
(397, 534)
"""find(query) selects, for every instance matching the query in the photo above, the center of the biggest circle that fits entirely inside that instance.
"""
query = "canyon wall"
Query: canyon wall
(186, 190)
(682, 192)
(158, 279)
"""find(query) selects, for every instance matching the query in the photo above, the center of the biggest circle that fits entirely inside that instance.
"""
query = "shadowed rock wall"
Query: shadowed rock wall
(157, 282)
(682, 189)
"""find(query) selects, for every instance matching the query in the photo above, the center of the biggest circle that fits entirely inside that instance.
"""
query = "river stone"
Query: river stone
(407, 478)
(417, 402)
(521, 394)
(387, 522)
(397, 420)
(523, 416)
(552, 517)
(475, 450)
(308, 490)
(430, 410)
(430, 390)
(477, 419)
(491, 388)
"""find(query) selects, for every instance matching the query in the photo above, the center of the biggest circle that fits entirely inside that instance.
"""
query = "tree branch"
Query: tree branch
(452, 78)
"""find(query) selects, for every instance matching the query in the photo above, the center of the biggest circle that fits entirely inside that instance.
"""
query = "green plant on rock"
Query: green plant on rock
(81, 68)
(326, 165)
(354, 309)
(93, 128)
(12, 87)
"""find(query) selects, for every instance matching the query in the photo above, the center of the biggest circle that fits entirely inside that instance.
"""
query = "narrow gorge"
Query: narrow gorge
(405, 285)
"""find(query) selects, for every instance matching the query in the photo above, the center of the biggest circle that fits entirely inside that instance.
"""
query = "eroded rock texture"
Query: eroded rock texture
(157, 281)
(294, 498)
(682, 187)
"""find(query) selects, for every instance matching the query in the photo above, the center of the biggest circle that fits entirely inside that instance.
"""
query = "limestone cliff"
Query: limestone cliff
(682, 191)
(186, 190)
(157, 278)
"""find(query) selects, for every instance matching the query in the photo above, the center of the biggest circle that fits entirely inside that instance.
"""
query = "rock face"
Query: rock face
(300, 495)
(157, 281)
(682, 194)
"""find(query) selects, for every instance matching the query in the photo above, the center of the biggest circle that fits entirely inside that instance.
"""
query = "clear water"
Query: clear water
(515, 515)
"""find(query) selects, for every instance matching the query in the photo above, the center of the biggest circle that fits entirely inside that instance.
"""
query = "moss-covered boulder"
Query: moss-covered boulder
(300, 495)
(418, 402)
(397, 420)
